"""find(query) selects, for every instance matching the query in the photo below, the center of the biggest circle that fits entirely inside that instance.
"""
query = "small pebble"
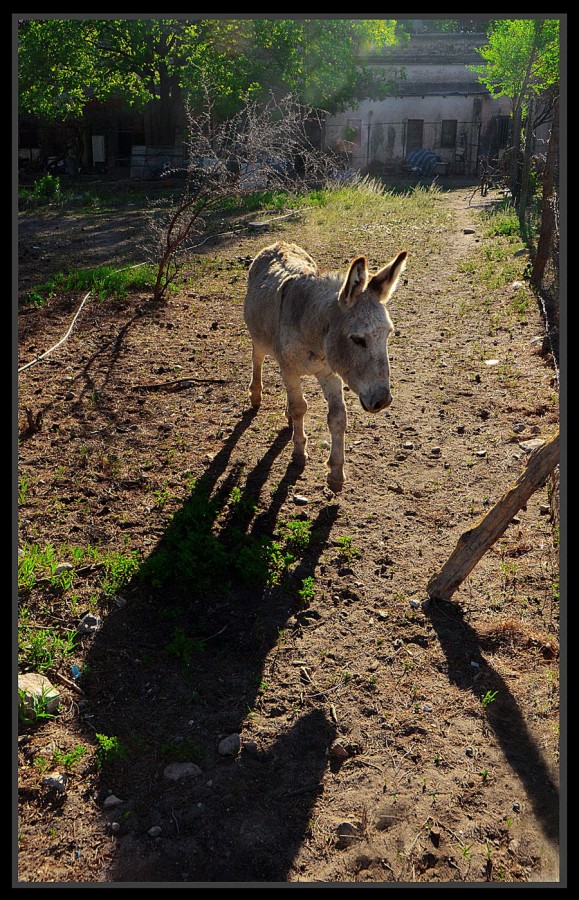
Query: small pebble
(338, 751)
(230, 745)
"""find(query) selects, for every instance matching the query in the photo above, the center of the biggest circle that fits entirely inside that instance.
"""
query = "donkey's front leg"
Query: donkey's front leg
(296, 410)
(337, 422)
(256, 386)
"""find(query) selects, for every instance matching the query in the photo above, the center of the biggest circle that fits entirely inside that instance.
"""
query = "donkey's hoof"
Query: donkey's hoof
(299, 458)
(335, 484)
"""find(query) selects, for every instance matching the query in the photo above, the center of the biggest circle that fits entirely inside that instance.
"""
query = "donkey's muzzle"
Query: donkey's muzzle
(375, 404)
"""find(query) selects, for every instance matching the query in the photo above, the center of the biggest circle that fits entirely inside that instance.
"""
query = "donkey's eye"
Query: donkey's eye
(360, 341)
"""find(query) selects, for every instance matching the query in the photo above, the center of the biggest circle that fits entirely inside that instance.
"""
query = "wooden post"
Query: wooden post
(473, 544)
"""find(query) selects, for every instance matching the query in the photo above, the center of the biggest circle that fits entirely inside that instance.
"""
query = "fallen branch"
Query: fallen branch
(61, 341)
(473, 544)
(179, 383)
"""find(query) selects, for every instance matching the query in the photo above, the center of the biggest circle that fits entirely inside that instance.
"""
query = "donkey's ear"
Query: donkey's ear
(384, 281)
(354, 282)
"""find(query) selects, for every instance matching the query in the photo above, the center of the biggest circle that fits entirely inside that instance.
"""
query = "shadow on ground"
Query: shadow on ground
(462, 648)
(181, 666)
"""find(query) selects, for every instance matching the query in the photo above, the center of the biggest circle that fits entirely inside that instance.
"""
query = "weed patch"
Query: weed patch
(105, 282)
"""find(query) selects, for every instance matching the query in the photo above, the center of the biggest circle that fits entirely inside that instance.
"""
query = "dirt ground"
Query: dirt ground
(366, 753)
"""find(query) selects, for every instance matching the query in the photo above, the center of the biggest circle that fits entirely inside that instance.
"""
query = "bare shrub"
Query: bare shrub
(261, 147)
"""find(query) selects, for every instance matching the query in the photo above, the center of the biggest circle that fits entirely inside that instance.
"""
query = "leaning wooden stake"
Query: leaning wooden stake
(473, 544)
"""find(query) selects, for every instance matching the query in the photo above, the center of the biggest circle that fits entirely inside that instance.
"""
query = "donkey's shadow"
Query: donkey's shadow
(180, 667)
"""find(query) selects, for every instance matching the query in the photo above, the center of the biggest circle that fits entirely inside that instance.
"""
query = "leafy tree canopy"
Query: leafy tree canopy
(66, 63)
(522, 56)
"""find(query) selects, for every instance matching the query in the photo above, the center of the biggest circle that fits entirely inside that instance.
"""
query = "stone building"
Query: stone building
(438, 105)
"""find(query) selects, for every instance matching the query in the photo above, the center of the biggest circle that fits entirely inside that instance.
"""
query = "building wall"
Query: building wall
(438, 91)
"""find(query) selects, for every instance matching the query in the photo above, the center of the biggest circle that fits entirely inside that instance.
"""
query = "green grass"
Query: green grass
(41, 564)
(105, 282)
(501, 220)
(49, 580)
(49, 191)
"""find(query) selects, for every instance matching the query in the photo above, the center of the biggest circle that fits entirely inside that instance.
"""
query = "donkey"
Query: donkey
(324, 325)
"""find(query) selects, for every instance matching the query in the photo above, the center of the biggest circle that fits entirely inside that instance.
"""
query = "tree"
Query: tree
(158, 64)
(522, 62)
(521, 59)
(548, 244)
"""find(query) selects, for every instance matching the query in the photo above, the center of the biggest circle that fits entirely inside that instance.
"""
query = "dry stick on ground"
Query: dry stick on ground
(473, 544)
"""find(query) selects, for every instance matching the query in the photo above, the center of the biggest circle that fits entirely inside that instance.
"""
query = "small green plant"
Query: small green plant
(46, 189)
(23, 484)
(371, 682)
(347, 549)
(489, 698)
(263, 561)
(118, 570)
(502, 220)
(307, 591)
(34, 708)
(182, 647)
(187, 750)
(36, 564)
(41, 764)
(70, 758)
(297, 533)
(242, 507)
(109, 749)
(466, 850)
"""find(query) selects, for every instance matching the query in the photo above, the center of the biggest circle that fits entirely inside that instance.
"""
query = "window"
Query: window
(414, 129)
(448, 134)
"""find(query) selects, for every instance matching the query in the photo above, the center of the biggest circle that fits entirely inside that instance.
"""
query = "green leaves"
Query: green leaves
(65, 64)
(522, 55)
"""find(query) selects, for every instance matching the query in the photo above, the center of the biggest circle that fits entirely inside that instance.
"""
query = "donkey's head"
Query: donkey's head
(357, 341)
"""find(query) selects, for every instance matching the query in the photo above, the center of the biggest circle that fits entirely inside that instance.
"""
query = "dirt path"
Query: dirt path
(381, 739)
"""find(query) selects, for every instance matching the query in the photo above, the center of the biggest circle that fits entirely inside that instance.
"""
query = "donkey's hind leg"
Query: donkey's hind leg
(295, 410)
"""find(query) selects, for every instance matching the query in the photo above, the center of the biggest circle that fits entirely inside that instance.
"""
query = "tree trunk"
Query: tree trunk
(515, 179)
(525, 188)
(473, 544)
(160, 123)
(548, 218)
